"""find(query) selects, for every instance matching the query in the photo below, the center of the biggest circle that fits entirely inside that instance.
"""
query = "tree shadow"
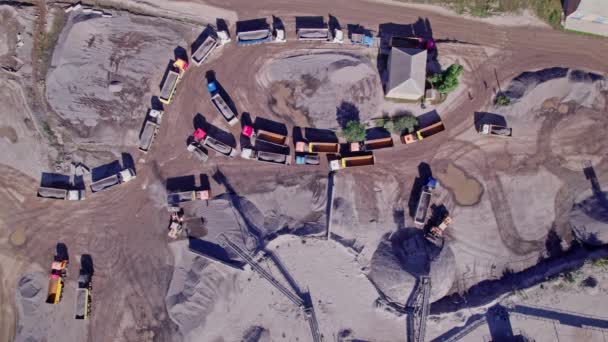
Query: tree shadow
(485, 118)
(346, 112)
(424, 172)
(377, 133)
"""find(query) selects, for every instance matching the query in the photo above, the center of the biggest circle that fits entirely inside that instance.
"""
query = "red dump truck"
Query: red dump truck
(423, 133)
(317, 147)
(345, 162)
(369, 145)
(201, 136)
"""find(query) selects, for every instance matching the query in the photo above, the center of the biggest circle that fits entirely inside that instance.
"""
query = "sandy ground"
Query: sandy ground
(125, 228)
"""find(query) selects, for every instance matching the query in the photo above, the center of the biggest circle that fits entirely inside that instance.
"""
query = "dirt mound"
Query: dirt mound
(442, 273)
(28, 286)
(589, 219)
(103, 72)
(325, 86)
(256, 334)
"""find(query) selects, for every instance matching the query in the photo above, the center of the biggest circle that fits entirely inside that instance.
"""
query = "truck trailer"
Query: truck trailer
(267, 157)
(253, 37)
(307, 159)
(151, 126)
(69, 195)
(204, 50)
(423, 133)
(424, 201)
(220, 104)
(201, 136)
(271, 138)
(501, 131)
(313, 34)
(83, 295)
(173, 76)
(317, 147)
(370, 145)
(186, 196)
(59, 270)
(345, 162)
(119, 178)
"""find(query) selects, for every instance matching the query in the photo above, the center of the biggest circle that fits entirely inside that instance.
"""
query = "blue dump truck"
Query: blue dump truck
(220, 104)
(425, 201)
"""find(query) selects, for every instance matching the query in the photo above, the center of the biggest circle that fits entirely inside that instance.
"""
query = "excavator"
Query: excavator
(59, 270)
(176, 223)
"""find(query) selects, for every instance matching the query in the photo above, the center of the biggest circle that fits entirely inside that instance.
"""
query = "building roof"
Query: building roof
(406, 73)
(589, 16)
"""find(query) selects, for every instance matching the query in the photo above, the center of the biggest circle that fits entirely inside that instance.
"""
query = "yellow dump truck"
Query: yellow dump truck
(59, 270)
(173, 76)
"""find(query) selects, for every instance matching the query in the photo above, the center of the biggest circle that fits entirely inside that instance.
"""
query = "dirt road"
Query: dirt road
(125, 231)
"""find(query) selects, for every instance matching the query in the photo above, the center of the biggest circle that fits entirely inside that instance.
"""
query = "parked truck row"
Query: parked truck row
(79, 194)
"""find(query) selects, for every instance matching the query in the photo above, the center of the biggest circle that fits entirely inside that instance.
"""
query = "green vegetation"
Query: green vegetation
(447, 81)
(601, 262)
(548, 10)
(502, 100)
(589, 34)
(398, 125)
(354, 131)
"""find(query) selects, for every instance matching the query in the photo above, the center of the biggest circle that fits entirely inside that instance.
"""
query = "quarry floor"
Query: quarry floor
(124, 229)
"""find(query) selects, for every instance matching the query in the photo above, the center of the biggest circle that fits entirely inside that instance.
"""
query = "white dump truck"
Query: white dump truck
(204, 50)
(119, 178)
(83, 296)
(267, 157)
(70, 195)
(151, 126)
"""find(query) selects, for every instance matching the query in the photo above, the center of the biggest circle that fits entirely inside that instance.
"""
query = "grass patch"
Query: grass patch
(601, 263)
(588, 34)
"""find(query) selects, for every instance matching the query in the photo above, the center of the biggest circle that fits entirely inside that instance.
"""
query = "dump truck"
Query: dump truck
(70, 195)
(83, 295)
(59, 270)
(423, 133)
(424, 201)
(268, 157)
(307, 159)
(220, 104)
(204, 50)
(197, 150)
(173, 76)
(187, 196)
(119, 178)
(501, 131)
(436, 232)
(201, 136)
(271, 138)
(253, 37)
(353, 161)
(370, 145)
(151, 126)
(317, 147)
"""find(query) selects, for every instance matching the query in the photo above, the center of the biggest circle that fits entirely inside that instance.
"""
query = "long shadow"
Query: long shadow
(310, 22)
(565, 318)
(320, 135)
(182, 183)
(251, 25)
(61, 251)
(270, 125)
(458, 333)
(281, 267)
(208, 31)
(204, 182)
(55, 180)
(86, 264)
(252, 229)
(105, 170)
(485, 118)
(424, 172)
(428, 118)
(212, 251)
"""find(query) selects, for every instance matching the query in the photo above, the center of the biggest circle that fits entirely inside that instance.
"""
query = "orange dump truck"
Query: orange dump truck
(317, 147)
(423, 133)
(59, 270)
(343, 163)
(370, 145)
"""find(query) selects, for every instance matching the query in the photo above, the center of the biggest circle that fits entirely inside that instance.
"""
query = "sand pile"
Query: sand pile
(326, 85)
(589, 219)
(103, 71)
(442, 273)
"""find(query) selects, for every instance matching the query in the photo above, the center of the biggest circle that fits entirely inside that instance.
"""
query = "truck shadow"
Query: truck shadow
(55, 180)
(251, 25)
(180, 53)
(86, 264)
(320, 135)
(181, 183)
(377, 133)
(428, 118)
(105, 170)
(207, 31)
(424, 172)
(312, 22)
(277, 23)
(61, 251)
(333, 23)
(485, 118)
(270, 125)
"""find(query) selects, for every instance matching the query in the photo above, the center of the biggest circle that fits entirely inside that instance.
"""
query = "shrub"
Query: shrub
(404, 123)
(447, 81)
(502, 100)
(354, 131)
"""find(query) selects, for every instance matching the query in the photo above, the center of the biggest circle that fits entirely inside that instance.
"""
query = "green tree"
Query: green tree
(354, 131)
(404, 123)
(446, 81)
(502, 100)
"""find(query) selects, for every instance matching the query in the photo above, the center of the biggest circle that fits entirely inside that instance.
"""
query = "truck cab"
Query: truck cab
(75, 195)
(126, 175)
